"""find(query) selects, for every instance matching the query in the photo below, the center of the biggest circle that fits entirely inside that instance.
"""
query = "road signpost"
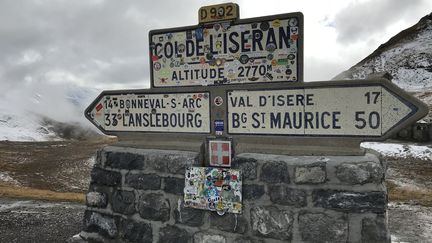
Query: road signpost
(228, 86)
(242, 80)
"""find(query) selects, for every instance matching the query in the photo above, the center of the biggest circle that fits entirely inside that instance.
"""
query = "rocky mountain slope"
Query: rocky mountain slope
(407, 57)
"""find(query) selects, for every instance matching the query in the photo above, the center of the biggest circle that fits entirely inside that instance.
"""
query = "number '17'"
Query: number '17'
(372, 96)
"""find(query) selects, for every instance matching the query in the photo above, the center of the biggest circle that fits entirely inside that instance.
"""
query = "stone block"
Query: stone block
(120, 160)
(229, 222)
(143, 181)
(360, 173)
(350, 201)
(170, 161)
(247, 240)
(100, 158)
(247, 167)
(284, 195)
(374, 230)
(179, 162)
(252, 191)
(321, 227)
(275, 172)
(154, 206)
(174, 185)
(204, 237)
(188, 216)
(99, 223)
(105, 177)
(311, 174)
(123, 202)
(155, 160)
(173, 234)
(133, 231)
(269, 221)
(96, 199)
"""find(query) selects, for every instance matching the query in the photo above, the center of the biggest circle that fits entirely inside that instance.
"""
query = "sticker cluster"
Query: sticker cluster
(214, 189)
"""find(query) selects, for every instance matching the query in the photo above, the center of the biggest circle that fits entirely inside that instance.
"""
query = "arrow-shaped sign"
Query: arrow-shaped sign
(123, 111)
(360, 109)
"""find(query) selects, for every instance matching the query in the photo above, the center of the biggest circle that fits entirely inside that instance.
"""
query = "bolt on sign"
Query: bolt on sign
(342, 109)
(150, 112)
(256, 50)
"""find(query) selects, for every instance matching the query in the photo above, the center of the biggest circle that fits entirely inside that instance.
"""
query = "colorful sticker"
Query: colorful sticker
(214, 189)
(219, 127)
(218, 101)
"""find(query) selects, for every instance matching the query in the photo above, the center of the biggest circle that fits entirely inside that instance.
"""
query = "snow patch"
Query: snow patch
(5, 177)
(90, 161)
(24, 111)
(22, 127)
(400, 150)
(395, 239)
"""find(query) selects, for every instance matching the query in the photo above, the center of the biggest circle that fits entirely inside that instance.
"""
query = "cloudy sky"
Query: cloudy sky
(103, 43)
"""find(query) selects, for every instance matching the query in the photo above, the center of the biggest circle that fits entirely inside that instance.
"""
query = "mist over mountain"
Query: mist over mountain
(407, 56)
(45, 112)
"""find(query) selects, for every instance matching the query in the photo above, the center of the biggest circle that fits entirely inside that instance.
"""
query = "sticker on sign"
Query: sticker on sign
(170, 112)
(367, 111)
(266, 49)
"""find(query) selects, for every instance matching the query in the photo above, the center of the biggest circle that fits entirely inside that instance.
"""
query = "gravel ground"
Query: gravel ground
(410, 223)
(37, 221)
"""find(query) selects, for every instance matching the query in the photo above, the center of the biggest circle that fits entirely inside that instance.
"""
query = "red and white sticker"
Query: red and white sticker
(99, 107)
(220, 153)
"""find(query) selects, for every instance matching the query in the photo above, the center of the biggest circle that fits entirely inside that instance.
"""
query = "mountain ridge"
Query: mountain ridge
(407, 56)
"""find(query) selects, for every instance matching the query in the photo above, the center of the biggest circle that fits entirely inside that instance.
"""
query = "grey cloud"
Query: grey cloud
(321, 69)
(73, 35)
(360, 20)
(52, 49)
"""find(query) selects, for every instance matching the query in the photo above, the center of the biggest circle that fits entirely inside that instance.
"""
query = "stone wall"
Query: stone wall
(135, 195)
(417, 132)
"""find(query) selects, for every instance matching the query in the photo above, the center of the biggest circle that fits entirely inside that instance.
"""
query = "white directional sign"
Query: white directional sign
(361, 109)
(170, 112)
(367, 111)
(265, 49)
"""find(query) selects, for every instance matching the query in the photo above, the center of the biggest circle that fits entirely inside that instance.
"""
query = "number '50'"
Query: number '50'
(364, 119)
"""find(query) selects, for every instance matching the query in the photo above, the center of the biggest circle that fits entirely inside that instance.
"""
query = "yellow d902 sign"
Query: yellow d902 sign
(219, 12)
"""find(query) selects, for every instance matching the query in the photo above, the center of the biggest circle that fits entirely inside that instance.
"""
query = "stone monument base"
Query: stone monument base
(137, 195)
